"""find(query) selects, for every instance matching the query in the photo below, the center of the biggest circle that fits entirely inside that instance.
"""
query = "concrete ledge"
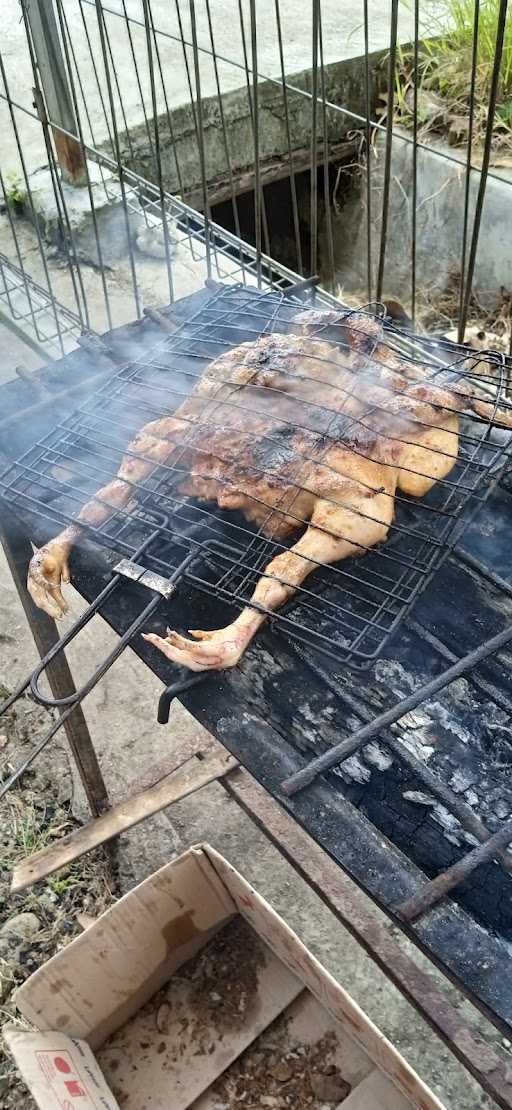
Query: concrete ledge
(439, 216)
(108, 208)
(344, 86)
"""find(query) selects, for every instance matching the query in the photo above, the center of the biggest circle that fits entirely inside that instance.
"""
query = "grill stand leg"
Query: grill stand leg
(18, 553)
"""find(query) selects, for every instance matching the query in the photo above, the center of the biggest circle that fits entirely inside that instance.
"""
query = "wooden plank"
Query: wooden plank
(184, 748)
(186, 780)
(275, 169)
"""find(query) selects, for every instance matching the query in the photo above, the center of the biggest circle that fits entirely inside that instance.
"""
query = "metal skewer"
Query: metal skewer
(347, 747)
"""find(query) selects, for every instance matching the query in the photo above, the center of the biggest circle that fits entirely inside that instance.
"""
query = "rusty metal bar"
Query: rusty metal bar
(54, 80)
(18, 553)
(349, 905)
(469, 820)
(347, 747)
(256, 135)
(438, 888)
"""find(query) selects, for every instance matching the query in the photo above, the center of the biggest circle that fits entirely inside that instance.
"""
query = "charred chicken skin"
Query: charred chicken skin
(293, 431)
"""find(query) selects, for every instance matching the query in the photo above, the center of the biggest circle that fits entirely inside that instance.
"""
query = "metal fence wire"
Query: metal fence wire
(241, 141)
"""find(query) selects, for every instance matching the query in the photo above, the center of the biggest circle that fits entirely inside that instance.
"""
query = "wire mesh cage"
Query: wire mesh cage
(285, 422)
(157, 117)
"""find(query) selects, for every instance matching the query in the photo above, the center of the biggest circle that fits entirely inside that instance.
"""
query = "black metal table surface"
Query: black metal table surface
(284, 703)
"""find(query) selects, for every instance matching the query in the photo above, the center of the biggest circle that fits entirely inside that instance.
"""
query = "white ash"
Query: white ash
(419, 798)
(461, 692)
(470, 839)
(471, 798)
(499, 726)
(446, 717)
(416, 745)
(353, 770)
(448, 822)
(395, 676)
(417, 718)
(377, 756)
(501, 808)
(461, 780)
(315, 716)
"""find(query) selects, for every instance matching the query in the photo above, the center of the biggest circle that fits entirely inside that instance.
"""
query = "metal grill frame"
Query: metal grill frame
(231, 556)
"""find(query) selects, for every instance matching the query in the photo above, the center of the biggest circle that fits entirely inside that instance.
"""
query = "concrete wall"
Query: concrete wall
(344, 86)
(440, 212)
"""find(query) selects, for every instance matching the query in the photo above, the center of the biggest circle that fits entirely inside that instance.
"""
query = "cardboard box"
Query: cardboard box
(118, 1027)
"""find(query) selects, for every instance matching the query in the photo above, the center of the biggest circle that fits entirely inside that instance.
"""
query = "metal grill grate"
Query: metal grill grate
(348, 609)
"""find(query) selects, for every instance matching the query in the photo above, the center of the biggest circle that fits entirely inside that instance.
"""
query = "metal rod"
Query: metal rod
(64, 717)
(89, 613)
(136, 68)
(65, 41)
(346, 747)
(172, 691)
(414, 196)
(166, 102)
(469, 154)
(112, 56)
(489, 134)
(190, 215)
(469, 820)
(200, 132)
(157, 150)
(18, 553)
(70, 703)
(348, 903)
(376, 126)
(19, 257)
(251, 113)
(432, 892)
(325, 128)
(26, 179)
(67, 238)
(95, 70)
(117, 149)
(313, 256)
(293, 186)
(256, 133)
(389, 147)
(225, 140)
(368, 145)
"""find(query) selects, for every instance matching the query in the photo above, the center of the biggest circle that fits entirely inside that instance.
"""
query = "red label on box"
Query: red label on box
(64, 1079)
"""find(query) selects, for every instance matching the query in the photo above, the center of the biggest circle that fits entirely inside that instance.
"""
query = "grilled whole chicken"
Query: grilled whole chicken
(295, 432)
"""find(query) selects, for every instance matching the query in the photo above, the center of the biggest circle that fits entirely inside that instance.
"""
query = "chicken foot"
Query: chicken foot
(336, 532)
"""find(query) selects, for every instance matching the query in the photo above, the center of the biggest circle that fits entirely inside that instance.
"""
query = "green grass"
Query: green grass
(15, 195)
(445, 69)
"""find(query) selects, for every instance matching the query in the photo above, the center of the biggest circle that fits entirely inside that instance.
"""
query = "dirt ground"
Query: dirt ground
(121, 716)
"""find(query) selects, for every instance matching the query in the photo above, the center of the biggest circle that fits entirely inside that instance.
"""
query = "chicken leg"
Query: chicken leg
(336, 532)
(49, 566)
